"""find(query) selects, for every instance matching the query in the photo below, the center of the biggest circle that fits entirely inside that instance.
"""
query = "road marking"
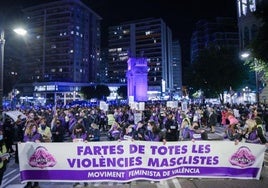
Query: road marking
(176, 183)
(11, 172)
(162, 183)
(5, 183)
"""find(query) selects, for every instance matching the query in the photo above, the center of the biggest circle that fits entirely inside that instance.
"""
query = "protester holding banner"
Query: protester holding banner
(79, 135)
(31, 135)
(4, 156)
(152, 133)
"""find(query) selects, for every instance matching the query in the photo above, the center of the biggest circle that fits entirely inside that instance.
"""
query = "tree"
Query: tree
(99, 91)
(259, 44)
(122, 91)
(88, 92)
(258, 60)
(217, 69)
(102, 91)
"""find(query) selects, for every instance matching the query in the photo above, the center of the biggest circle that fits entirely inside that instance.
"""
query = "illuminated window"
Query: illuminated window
(252, 5)
(126, 31)
(147, 32)
(239, 7)
(244, 9)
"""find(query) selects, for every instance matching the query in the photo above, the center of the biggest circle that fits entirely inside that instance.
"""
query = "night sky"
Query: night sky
(180, 15)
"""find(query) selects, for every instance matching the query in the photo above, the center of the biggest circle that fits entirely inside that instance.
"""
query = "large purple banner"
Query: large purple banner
(126, 161)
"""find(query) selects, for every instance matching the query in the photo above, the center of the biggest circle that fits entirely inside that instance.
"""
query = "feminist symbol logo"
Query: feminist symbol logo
(243, 157)
(41, 158)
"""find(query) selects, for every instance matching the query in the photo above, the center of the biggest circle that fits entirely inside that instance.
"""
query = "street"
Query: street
(12, 178)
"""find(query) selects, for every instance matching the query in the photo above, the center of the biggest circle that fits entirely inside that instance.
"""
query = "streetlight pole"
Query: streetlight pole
(19, 31)
(245, 55)
(257, 82)
(2, 47)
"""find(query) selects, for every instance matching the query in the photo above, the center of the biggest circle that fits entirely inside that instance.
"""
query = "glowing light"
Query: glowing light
(20, 31)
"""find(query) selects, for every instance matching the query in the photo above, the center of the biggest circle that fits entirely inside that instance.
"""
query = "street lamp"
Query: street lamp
(19, 31)
(246, 55)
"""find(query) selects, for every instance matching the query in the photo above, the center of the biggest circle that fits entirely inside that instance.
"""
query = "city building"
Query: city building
(249, 25)
(63, 47)
(64, 42)
(177, 67)
(222, 31)
(147, 38)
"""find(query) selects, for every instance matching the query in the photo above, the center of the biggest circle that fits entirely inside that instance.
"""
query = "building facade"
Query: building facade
(147, 38)
(64, 43)
(63, 50)
(222, 31)
(177, 66)
(249, 25)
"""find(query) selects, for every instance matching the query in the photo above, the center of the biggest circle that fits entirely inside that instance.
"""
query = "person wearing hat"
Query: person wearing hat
(4, 156)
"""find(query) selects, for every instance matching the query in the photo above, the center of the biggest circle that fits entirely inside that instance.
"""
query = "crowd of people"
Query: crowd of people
(157, 122)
